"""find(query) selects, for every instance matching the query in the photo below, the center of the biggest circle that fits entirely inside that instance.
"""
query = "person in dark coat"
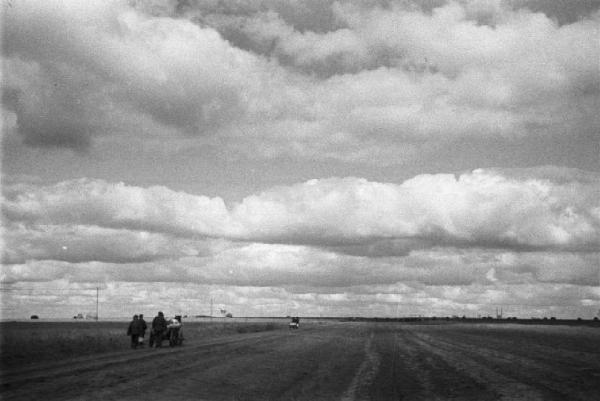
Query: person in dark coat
(134, 330)
(159, 327)
(144, 328)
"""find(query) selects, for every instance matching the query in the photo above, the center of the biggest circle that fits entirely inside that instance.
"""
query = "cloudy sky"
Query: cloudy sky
(316, 157)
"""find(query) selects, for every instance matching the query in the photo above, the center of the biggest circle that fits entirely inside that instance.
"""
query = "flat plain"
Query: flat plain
(326, 360)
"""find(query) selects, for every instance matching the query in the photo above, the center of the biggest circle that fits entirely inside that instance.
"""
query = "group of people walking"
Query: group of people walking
(161, 330)
(137, 330)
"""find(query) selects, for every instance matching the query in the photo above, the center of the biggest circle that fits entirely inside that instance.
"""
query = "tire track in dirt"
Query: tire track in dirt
(350, 362)
(358, 389)
(385, 385)
(532, 350)
(422, 376)
(315, 365)
(109, 357)
(506, 387)
(543, 371)
(307, 366)
(165, 371)
(419, 365)
(79, 366)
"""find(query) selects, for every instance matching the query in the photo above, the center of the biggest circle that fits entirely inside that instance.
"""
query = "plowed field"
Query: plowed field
(334, 361)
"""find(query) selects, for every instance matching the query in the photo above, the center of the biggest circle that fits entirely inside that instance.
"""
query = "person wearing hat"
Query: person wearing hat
(134, 330)
(159, 327)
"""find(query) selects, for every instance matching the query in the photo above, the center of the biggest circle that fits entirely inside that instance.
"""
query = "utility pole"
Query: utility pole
(211, 308)
(97, 290)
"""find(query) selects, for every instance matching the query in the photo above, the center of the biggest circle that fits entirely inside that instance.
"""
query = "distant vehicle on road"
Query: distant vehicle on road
(295, 323)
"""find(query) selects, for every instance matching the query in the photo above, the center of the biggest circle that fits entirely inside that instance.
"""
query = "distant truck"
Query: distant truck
(295, 323)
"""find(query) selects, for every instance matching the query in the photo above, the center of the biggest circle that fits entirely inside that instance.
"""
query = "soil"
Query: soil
(335, 361)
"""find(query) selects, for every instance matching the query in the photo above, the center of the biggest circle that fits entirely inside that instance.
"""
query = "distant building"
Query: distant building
(87, 316)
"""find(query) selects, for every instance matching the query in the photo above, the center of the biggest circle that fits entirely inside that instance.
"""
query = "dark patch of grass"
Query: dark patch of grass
(23, 343)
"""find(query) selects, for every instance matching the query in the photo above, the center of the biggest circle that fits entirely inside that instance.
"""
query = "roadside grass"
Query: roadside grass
(24, 343)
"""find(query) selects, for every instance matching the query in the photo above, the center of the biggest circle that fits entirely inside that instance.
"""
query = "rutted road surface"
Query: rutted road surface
(343, 361)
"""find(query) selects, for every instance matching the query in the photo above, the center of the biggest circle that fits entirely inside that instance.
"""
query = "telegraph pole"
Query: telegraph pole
(97, 290)
(211, 308)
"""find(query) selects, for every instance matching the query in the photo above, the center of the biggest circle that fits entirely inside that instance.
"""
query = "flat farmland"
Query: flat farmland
(321, 361)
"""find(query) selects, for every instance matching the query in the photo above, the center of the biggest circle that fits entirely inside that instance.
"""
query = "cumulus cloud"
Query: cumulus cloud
(273, 279)
(475, 209)
(116, 205)
(273, 301)
(263, 80)
(75, 243)
(298, 268)
(482, 208)
(372, 89)
(436, 244)
(70, 68)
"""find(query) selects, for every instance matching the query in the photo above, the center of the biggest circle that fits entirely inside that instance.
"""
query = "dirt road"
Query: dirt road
(341, 361)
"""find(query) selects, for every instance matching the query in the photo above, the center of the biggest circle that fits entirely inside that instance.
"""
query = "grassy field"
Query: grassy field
(24, 343)
(30, 342)
(323, 360)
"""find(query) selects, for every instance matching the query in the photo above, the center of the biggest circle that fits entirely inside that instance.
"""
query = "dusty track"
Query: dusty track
(348, 361)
